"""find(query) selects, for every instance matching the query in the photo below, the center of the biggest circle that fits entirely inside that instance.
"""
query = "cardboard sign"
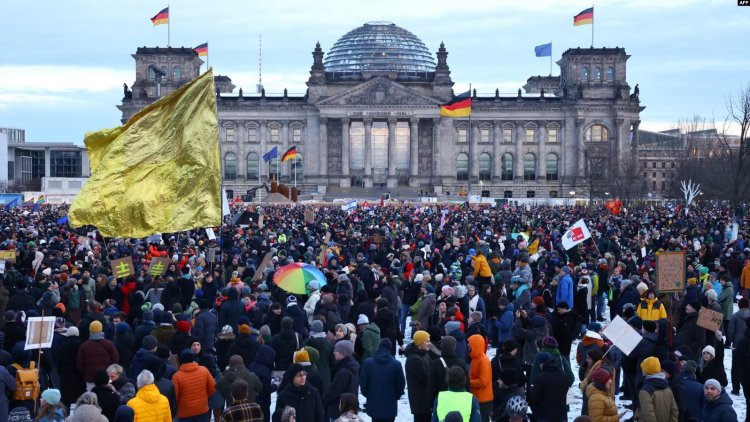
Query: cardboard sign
(260, 221)
(622, 335)
(710, 320)
(211, 255)
(158, 266)
(9, 256)
(324, 249)
(260, 272)
(210, 233)
(309, 215)
(39, 332)
(123, 267)
(670, 272)
(376, 239)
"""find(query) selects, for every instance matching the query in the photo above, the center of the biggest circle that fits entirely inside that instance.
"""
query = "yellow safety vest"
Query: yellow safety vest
(449, 401)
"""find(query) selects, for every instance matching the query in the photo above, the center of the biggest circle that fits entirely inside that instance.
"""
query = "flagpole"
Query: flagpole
(468, 196)
(550, 58)
(207, 54)
(592, 27)
(169, 25)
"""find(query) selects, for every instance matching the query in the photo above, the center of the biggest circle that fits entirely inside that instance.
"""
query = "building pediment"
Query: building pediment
(380, 91)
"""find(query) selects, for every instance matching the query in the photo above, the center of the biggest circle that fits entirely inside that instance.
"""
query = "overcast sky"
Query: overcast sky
(63, 63)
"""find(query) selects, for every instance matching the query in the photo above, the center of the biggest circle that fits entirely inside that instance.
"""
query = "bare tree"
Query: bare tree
(737, 157)
(595, 176)
(626, 184)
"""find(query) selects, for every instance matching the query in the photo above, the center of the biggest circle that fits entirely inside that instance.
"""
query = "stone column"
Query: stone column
(497, 131)
(541, 159)
(436, 133)
(286, 169)
(581, 147)
(368, 152)
(414, 152)
(518, 159)
(392, 181)
(323, 151)
(616, 157)
(475, 140)
(241, 138)
(264, 166)
(345, 153)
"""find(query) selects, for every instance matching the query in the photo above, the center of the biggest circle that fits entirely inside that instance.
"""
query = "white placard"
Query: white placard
(210, 233)
(622, 335)
(39, 332)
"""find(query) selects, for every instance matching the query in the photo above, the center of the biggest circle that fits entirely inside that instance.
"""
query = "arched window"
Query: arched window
(177, 75)
(151, 74)
(165, 72)
(584, 73)
(462, 167)
(529, 167)
(610, 75)
(297, 170)
(485, 166)
(230, 166)
(552, 170)
(597, 73)
(597, 133)
(253, 166)
(507, 166)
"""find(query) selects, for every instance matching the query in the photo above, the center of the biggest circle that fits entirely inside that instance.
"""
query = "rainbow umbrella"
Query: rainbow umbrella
(294, 278)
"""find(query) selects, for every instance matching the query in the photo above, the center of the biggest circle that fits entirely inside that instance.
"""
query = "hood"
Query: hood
(266, 356)
(149, 393)
(656, 381)
(476, 342)
(382, 356)
(590, 338)
(723, 399)
(189, 367)
(510, 308)
(349, 363)
(89, 412)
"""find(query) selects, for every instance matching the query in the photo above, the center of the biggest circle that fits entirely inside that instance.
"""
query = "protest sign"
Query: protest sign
(324, 248)
(9, 256)
(210, 233)
(622, 335)
(710, 320)
(670, 272)
(39, 332)
(211, 255)
(158, 266)
(261, 271)
(309, 215)
(123, 267)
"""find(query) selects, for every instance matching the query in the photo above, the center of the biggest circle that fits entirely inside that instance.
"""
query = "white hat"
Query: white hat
(710, 350)
(313, 285)
(363, 319)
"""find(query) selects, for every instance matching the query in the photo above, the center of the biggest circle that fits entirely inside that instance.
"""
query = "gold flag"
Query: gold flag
(160, 172)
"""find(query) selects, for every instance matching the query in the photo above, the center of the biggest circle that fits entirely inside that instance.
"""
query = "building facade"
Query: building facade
(370, 118)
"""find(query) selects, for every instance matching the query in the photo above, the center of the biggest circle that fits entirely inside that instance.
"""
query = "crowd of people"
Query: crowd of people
(471, 313)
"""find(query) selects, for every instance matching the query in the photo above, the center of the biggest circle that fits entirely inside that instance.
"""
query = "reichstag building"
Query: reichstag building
(370, 117)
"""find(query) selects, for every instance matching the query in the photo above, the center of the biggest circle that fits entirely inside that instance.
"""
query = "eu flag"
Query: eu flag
(274, 153)
(544, 50)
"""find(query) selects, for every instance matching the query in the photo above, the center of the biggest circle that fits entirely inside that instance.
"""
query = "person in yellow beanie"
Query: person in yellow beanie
(417, 373)
(95, 354)
(655, 398)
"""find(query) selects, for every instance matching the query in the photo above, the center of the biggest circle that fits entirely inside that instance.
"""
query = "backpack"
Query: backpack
(27, 382)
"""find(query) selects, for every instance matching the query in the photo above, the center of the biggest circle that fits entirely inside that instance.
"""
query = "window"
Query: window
(530, 134)
(597, 133)
(357, 145)
(65, 164)
(508, 194)
(484, 134)
(463, 135)
(597, 73)
(402, 145)
(164, 71)
(551, 135)
(253, 166)
(663, 165)
(230, 194)
(485, 166)
(610, 75)
(654, 185)
(296, 135)
(654, 175)
(379, 144)
(664, 175)
(252, 134)
(663, 185)
(553, 194)
(274, 132)
(507, 135)
(653, 165)
(230, 166)
(530, 194)
(229, 134)
(297, 168)
(552, 171)
(584, 73)
(273, 168)
(485, 194)
(507, 167)
(645, 174)
(151, 74)
(177, 74)
(645, 164)
(462, 167)
(672, 165)
(529, 167)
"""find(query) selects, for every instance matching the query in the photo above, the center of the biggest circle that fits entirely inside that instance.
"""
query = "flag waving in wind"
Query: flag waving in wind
(270, 155)
(576, 234)
(544, 50)
(586, 17)
(161, 17)
(457, 107)
(202, 49)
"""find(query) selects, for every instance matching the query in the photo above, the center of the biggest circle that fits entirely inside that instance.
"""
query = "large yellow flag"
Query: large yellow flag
(160, 172)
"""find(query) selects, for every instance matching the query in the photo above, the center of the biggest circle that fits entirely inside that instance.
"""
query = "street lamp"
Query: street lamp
(572, 193)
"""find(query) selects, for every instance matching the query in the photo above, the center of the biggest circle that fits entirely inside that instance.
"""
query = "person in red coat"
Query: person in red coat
(95, 354)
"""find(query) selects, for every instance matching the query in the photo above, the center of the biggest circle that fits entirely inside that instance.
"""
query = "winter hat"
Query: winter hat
(51, 396)
(186, 356)
(710, 350)
(566, 269)
(316, 326)
(452, 326)
(286, 322)
(122, 328)
(363, 320)
(543, 358)
(420, 337)
(600, 375)
(148, 316)
(689, 367)
(150, 342)
(538, 300)
(10, 315)
(447, 290)
(291, 299)
(454, 416)
(244, 329)
(429, 289)
(101, 377)
(294, 369)
(313, 285)
(183, 327)
(301, 356)
(538, 321)
(595, 327)
(312, 353)
(550, 342)
(651, 366)
(71, 332)
(385, 344)
(95, 327)
(448, 345)
(669, 367)
(345, 347)
(124, 413)
(712, 382)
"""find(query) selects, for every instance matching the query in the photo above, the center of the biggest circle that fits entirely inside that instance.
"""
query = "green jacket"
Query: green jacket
(726, 300)
(370, 340)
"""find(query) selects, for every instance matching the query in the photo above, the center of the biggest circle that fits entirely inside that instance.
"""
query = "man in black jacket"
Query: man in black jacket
(436, 381)
(417, 374)
(549, 392)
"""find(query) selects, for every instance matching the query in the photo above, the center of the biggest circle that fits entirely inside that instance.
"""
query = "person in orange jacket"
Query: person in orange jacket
(480, 376)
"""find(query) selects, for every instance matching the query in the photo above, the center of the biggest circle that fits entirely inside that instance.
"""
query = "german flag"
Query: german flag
(584, 18)
(202, 49)
(290, 154)
(161, 17)
(458, 107)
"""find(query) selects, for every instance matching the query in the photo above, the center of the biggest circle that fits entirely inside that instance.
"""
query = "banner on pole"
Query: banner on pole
(622, 335)
(39, 332)
(576, 234)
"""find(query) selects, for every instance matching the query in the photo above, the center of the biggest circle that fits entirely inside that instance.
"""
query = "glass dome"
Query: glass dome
(379, 47)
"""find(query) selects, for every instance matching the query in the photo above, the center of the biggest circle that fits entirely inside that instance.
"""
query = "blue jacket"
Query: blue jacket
(719, 410)
(505, 323)
(7, 385)
(565, 291)
(382, 382)
(693, 396)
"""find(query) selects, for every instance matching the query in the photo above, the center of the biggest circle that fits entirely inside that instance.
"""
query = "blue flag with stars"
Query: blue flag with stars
(544, 50)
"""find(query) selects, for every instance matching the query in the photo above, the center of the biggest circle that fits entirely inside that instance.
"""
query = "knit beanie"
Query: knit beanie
(452, 326)
(713, 382)
(150, 342)
(448, 345)
(95, 327)
(710, 350)
(51, 396)
(420, 337)
(316, 326)
(385, 344)
(651, 366)
(600, 375)
(312, 353)
(689, 367)
(345, 347)
(301, 356)
(543, 358)
(244, 329)
(287, 322)
(549, 342)
(183, 327)
(186, 356)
